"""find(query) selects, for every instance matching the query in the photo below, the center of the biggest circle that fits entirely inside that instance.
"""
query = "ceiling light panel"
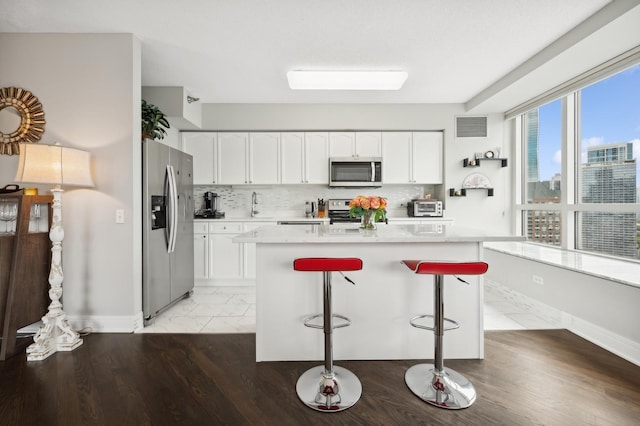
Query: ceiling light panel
(346, 80)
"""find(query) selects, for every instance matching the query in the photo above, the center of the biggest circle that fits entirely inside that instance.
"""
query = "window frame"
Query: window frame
(569, 205)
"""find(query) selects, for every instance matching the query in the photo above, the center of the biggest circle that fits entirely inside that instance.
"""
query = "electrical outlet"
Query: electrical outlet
(537, 279)
(120, 216)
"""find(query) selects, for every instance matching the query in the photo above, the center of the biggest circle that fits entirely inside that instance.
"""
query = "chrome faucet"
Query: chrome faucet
(254, 202)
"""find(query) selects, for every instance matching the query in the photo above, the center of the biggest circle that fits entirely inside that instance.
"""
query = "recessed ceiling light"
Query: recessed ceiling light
(346, 80)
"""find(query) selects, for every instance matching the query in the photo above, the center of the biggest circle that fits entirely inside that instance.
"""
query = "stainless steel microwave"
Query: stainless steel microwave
(355, 171)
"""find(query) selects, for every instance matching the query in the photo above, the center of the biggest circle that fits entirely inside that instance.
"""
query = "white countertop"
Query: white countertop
(314, 219)
(350, 233)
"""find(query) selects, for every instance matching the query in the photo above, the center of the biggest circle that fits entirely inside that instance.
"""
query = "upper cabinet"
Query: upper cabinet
(397, 158)
(412, 157)
(427, 157)
(264, 158)
(203, 147)
(267, 158)
(233, 158)
(248, 158)
(304, 157)
(355, 144)
(316, 157)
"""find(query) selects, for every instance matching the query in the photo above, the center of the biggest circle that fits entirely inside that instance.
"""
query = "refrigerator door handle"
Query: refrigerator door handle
(173, 208)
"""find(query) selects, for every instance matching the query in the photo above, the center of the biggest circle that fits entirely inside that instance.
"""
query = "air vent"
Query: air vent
(471, 127)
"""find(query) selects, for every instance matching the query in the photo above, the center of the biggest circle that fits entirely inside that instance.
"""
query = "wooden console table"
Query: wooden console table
(25, 259)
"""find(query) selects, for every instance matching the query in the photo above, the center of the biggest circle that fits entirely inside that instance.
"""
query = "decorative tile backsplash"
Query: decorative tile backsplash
(236, 201)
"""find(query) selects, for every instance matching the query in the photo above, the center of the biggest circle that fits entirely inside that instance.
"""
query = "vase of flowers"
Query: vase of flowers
(370, 209)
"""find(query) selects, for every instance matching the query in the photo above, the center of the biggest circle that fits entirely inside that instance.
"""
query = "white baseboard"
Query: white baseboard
(606, 339)
(106, 324)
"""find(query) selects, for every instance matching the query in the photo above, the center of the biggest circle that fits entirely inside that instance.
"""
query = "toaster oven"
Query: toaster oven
(424, 208)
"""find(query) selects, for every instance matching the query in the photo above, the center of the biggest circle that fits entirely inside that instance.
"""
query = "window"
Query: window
(601, 211)
(543, 139)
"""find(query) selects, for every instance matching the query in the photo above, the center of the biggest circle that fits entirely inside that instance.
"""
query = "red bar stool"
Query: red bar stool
(444, 388)
(328, 388)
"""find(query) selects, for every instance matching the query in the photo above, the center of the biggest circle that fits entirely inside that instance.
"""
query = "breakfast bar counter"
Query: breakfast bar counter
(385, 296)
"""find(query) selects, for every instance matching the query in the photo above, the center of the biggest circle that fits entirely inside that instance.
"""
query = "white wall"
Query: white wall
(602, 311)
(474, 210)
(89, 86)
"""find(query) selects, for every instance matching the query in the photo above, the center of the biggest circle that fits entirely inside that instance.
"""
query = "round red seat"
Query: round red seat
(326, 264)
(446, 268)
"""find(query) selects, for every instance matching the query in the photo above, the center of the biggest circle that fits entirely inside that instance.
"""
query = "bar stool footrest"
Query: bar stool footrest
(308, 321)
(414, 322)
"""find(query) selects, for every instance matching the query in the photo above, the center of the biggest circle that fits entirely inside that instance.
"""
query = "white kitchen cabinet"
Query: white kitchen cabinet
(292, 159)
(342, 144)
(220, 261)
(202, 146)
(225, 256)
(427, 154)
(355, 144)
(304, 157)
(412, 157)
(264, 158)
(201, 256)
(368, 144)
(396, 157)
(233, 158)
(316, 157)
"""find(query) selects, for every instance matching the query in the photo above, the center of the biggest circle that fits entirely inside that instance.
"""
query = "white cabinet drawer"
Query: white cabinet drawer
(200, 227)
(225, 228)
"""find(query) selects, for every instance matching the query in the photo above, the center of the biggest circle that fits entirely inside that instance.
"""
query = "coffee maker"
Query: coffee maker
(210, 210)
(210, 202)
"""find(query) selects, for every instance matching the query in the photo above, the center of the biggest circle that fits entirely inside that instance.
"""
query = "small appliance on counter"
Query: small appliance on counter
(210, 210)
(419, 207)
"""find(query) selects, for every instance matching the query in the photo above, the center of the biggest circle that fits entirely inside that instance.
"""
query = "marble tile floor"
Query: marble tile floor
(231, 309)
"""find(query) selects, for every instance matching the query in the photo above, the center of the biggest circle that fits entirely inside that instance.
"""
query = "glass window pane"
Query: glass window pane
(609, 233)
(609, 170)
(544, 226)
(543, 133)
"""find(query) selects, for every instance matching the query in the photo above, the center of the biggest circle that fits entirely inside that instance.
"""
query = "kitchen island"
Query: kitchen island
(386, 294)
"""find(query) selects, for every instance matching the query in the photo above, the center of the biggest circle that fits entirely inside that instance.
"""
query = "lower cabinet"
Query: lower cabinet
(225, 256)
(220, 261)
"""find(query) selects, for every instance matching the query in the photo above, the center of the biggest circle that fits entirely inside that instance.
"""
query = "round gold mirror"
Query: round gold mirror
(21, 119)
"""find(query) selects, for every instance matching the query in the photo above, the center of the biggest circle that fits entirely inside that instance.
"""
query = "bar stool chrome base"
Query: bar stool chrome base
(322, 392)
(448, 389)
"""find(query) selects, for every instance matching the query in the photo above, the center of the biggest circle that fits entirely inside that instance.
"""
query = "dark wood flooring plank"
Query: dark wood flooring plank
(549, 377)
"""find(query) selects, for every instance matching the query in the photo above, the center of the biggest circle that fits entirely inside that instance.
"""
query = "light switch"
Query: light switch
(119, 215)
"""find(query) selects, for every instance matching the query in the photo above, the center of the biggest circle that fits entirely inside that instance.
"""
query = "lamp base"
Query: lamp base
(56, 335)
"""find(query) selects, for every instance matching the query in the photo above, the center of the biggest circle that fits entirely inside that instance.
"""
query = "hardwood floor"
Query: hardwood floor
(549, 377)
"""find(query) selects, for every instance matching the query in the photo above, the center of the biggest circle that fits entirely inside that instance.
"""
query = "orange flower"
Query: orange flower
(374, 202)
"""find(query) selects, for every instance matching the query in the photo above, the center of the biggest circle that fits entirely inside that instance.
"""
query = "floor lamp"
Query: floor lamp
(60, 166)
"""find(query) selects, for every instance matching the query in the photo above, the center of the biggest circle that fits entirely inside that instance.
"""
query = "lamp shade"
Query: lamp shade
(53, 164)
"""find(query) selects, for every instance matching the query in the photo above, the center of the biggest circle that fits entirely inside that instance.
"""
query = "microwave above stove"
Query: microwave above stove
(355, 172)
(424, 208)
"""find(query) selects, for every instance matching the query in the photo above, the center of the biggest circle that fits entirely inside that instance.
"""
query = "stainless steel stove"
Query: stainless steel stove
(338, 211)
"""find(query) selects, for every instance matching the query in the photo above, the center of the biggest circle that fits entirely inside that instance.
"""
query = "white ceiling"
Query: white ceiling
(238, 51)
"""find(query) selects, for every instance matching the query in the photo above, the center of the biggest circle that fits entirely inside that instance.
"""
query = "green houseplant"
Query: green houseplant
(154, 122)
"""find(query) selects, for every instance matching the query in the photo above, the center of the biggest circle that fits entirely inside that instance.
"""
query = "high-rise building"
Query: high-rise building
(533, 170)
(609, 176)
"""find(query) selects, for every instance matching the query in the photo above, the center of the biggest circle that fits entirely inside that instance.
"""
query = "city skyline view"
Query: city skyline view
(610, 114)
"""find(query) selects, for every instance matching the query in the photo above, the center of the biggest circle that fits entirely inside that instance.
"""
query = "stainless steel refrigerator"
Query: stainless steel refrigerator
(167, 241)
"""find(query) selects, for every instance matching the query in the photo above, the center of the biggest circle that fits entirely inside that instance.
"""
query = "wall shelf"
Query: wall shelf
(462, 192)
(466, 162)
